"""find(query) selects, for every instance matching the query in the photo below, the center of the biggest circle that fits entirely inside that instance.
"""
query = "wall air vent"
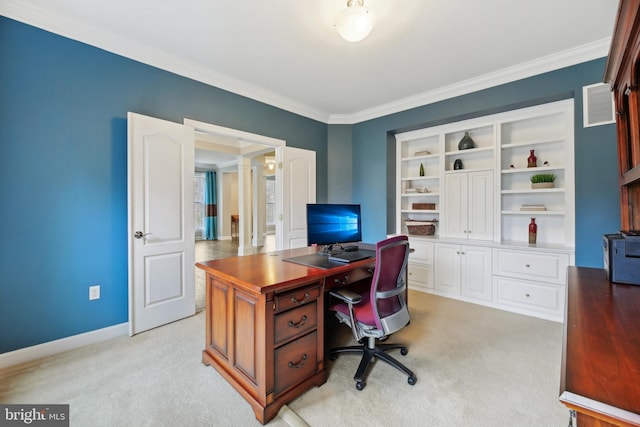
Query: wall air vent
(598, 107)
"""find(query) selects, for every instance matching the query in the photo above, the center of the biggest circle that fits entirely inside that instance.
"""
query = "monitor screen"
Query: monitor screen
(328, 224)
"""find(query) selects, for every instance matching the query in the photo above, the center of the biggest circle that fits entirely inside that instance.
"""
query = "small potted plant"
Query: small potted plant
(542, 180)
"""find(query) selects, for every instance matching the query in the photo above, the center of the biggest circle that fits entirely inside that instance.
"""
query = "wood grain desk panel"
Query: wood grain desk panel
(265, 324)
(601, 350)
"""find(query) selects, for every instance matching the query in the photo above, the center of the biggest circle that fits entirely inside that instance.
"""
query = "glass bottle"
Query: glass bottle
(421, 169)
(532, 161)
(533, 231)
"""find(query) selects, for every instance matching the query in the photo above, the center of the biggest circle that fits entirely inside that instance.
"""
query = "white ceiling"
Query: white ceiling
(286, 52)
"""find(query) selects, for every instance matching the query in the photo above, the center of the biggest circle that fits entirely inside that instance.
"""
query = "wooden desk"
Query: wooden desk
(265, 324)
(600, 377)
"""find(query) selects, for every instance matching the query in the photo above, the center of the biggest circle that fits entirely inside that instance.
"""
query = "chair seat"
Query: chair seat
(362, 311)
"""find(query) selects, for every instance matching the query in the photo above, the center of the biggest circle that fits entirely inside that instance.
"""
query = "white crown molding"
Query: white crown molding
(584, 53)
(114, 43)
(27, 354)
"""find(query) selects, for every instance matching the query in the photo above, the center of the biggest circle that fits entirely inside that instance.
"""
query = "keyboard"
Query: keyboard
(348, 256)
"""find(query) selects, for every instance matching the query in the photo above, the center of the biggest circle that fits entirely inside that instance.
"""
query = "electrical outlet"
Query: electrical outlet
(94, 292)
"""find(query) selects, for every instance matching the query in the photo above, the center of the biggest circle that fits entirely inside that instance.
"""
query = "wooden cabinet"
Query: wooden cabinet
(623, 73)
(600, 372)
(268, 349)
(265, 323)
(468, 205)
(463, 270)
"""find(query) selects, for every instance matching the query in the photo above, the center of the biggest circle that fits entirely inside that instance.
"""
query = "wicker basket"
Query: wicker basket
(420, 228)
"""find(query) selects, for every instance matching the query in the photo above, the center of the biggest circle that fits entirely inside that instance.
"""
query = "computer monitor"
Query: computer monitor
(330, 224)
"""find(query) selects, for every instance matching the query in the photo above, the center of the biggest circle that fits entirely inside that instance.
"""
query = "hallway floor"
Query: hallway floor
(219, 249)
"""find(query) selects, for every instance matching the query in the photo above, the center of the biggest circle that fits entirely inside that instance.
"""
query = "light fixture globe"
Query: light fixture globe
(355, 22)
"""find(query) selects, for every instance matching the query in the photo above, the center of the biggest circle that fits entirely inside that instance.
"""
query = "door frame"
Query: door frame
(242, 136)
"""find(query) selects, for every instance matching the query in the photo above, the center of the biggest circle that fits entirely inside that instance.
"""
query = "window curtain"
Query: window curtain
(210, 206)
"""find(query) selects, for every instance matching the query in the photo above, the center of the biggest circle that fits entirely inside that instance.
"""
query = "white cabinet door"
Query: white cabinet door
(463, 270)
(480, 205)
(476, 272)
(448, 272)
(455, 206)
(469, 205)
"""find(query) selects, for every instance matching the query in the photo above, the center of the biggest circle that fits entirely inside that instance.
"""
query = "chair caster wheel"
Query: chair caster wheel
(360, 385)
(333, 356)
(412, 380)
(404, 351)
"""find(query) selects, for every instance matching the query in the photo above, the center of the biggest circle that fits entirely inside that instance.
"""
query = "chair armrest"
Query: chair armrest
(347, 296)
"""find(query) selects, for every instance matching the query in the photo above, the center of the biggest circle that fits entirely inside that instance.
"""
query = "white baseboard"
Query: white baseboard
(64, 344)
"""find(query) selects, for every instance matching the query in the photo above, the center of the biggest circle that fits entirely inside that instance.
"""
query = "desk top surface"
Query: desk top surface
(269, 272)
(601, 359)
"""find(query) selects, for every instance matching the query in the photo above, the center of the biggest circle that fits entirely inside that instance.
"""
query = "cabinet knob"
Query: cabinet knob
(527, 295)
(526, 265)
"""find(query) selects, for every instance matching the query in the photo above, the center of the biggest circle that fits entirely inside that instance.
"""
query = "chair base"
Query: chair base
(368, 354)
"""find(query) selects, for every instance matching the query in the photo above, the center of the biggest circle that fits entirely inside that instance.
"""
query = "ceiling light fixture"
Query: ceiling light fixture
(355, 22)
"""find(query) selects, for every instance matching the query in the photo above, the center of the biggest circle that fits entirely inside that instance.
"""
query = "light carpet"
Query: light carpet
(476, 366)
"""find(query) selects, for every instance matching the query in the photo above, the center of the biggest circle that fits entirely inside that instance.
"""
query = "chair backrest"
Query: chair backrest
(388, 286)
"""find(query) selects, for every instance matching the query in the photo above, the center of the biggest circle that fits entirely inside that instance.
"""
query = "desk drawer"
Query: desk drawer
(295, 322)
(296, 298)
(544, 267)
(295, 362)
(347, 277)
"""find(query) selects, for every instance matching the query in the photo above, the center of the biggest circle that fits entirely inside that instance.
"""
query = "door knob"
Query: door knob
(140, 235)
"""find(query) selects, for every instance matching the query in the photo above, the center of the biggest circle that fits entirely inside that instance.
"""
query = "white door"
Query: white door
(480, 221)
(161, 222)
(448, 275)
(476, 272)
(455, 204)
(298, 174)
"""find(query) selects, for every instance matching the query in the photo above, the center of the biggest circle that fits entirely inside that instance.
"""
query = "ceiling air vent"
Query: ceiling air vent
(598, 105)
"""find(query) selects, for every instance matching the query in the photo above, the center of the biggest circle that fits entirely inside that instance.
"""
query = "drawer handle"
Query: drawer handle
(342, 282)
(300, 364)
(307, 295)
(300, 323)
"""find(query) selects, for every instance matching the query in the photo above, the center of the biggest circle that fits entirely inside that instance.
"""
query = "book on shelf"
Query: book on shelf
(535, 207)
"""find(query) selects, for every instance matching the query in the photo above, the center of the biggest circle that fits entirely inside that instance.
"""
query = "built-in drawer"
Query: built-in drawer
(545, 267)
(296, 321)
(295, 361)
(420, 275)
(529, 295)
(348, 277)
(421, 251)
(296, 298)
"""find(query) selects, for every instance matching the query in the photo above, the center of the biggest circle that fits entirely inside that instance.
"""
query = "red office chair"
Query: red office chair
(378, 312)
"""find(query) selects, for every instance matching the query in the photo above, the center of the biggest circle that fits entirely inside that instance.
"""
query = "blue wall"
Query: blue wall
(596, 173)
(63, 174)
(63, 168)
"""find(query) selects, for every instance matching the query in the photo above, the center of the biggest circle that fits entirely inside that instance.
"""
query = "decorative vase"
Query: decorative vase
(457, 165)
(421, 169)
(466, 142)
(532, 161)
(533, 231)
